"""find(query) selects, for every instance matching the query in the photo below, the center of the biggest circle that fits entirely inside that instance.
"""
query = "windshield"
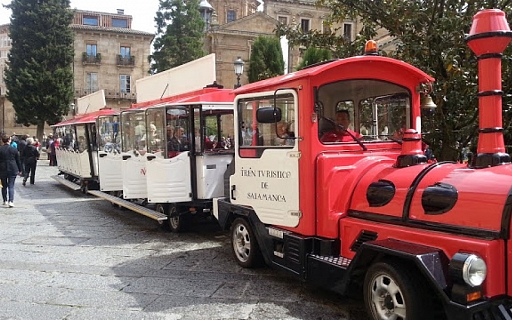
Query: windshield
(369, 109)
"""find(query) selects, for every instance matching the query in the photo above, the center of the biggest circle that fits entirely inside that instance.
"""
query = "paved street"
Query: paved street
(64, 255)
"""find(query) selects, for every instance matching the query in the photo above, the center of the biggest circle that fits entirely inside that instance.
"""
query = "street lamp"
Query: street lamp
(239, 69)
(72, 107)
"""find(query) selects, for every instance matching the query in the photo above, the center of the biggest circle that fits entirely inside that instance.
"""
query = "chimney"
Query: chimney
(120, 11)
(488, 38)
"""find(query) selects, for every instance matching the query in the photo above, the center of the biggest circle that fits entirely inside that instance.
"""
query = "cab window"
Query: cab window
(260, 136)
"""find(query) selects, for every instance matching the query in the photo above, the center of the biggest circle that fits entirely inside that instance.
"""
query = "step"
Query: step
(130, 205)
(339, 261)
(65, 182)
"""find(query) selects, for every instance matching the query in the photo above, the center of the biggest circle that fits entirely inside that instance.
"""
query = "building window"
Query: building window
(326, 28)
(90, 21)
(231, 15)
(347, 31)
(91, 83)
(304, 25)
(125, 52)
(282, 20)
(119, 23)
(5, 42)
(125, 83)
(91, 49)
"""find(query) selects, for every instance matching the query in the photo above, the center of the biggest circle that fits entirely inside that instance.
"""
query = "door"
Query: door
(267, 164)
(109, 154)
(133, 154)
(168, 170)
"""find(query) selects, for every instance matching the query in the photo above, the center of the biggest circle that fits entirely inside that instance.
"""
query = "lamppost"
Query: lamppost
(239, 70)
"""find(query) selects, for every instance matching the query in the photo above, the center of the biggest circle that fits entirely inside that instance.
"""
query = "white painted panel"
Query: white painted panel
(169, 179)
(270, 185)
(210, 174)
(190, 76)
(134, 177)
(110, 171)
(91, 102)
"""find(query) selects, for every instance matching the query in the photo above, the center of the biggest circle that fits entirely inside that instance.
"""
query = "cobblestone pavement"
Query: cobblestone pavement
(65, 255)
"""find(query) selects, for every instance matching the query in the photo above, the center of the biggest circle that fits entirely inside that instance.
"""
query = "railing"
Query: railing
(91, 59)
(79, 92)
(125, 60)
(83, 92)
(120, 95)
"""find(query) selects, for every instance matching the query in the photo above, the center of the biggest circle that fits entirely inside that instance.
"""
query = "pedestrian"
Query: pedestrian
(53, 155)
(37, 144)
(47, 145)
(22, 143)
(10, 167)
(30, 155)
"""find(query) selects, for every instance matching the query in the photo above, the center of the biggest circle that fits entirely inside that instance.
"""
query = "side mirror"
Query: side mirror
(268, 115)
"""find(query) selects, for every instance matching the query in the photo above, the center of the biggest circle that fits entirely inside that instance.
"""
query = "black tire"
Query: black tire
(245, 246)
(175, 222)
(393, 291)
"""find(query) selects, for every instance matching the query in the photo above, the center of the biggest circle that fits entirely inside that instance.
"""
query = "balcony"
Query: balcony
(80, 92)
(120, 95)
(91, 59)
(125, 61)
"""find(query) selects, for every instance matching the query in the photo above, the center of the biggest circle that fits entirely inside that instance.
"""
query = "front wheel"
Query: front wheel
(393, 292)
(245, 248)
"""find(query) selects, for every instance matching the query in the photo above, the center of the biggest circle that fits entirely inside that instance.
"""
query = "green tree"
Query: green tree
(314, 55)
(39, 76)
(429, 35)
(179, 36)
(266, 59)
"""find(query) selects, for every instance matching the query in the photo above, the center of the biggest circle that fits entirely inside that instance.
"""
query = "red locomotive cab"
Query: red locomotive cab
(351, 201)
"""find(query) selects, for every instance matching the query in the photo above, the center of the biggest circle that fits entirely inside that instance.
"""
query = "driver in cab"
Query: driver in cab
(341, 134)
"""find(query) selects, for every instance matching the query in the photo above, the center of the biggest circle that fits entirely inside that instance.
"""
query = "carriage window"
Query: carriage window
(217, 130)
(81, 141)
(254, 135)
(108, 139)
(178, 130)
(67, 136)
(133, 131)
(155, 129)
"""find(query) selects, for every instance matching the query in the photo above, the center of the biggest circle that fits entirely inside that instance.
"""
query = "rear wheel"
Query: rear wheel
(245, 248)
(175, 222)
(393, 292)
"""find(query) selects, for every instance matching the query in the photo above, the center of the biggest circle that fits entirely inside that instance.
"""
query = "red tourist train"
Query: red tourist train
(343, 204)
(322, 174)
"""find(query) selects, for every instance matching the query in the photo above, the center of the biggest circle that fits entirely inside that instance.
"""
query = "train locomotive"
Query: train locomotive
(366, 213)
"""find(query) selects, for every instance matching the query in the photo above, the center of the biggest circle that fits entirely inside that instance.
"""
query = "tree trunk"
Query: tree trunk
(40, 131)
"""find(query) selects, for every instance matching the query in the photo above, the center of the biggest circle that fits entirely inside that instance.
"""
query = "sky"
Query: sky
(142, 12)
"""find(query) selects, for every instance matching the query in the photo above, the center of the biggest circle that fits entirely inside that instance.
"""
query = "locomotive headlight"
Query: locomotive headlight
(468, 267)
(474, 270)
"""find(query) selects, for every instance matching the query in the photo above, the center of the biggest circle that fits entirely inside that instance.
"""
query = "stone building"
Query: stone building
(109, 55)
(233, 25)
(6, 111)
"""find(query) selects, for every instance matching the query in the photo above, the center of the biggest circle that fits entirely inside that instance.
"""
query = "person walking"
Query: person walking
(30, 155)
(22, 143)
(10, 166)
